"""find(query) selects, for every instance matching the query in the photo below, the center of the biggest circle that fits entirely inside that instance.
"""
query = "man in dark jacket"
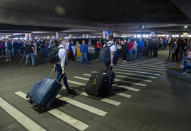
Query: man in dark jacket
(8, 50)
(29, 51)
(124, 49)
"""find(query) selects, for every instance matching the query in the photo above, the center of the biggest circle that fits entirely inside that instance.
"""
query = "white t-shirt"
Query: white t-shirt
(62, 56)
(135, 46)
(113, 48)
(67, 45)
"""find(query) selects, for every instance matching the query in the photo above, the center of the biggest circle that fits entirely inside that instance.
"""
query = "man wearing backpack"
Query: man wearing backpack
(109, 53)
(59, 65)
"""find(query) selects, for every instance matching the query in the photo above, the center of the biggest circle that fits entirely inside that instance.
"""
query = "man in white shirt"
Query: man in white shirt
(109, 54)
(61, 65)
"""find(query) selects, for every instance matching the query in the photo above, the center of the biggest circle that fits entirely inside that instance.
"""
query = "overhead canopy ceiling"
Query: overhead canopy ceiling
(118, 15)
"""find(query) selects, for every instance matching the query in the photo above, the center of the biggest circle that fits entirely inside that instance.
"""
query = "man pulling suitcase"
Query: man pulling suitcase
(43, 93)
(60, 63)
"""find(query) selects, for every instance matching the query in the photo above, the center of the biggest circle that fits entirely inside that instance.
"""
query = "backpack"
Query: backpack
(107, 53)
(53, 58)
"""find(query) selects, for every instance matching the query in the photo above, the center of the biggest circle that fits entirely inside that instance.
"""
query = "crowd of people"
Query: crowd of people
(123, 49)
(126, 49)
(180, 52)
(178, 48)
(129, 49)
(41, 48)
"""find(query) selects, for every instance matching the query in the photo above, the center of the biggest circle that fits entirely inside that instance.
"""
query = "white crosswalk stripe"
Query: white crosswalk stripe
(145, 68)
(81, 78)
(109, 101)
(133, 78)
(146, 65)
(140, 72)
(87, 74)
(83, 106)
(76, 83)
(128, 82)
(127, 73)
(88, 79)
(149, 62)
(20, 117)
(134, 83)
(124, 95)
(61, 116)
(126, 87)
(69, 120)
(127, 77)
(106, 100)
(137, 69)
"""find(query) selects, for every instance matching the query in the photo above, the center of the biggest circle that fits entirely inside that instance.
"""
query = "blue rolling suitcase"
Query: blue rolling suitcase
(43, 93)
(33, 89)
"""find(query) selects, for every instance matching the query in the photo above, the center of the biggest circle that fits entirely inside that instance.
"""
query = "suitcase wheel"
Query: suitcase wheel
(30, 101)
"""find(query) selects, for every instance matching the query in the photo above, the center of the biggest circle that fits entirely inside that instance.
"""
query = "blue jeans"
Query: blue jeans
(186, 67)
(19, 52)
(130, 55)
(84, 57)
(135, 53)
(41, 51)
(140, 50)
(60, 76)
(13, 52)
(32, 58)
(46, 51)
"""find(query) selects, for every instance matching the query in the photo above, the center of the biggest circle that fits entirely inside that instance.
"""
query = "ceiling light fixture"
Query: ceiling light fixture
(186, 26)
(142, 27)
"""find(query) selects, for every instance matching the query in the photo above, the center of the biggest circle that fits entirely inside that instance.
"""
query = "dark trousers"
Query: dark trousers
(61, 76)
(107, 64)
(97, 52)
(124, 56)
(155, 53)
(150, 52)
(16, 52)
(173, 55)
(165, 46)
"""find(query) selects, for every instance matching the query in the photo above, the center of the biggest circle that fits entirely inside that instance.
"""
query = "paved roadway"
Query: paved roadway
(144, 99)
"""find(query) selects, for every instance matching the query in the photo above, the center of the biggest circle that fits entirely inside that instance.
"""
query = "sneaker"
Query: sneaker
(70, 91)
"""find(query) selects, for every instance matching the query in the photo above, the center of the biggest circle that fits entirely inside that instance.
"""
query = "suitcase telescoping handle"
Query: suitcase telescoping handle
(51, 75)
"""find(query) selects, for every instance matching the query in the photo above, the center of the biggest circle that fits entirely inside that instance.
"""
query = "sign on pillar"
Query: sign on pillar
(30, 36)
(106, 34)
(26, 36)
(57, 35)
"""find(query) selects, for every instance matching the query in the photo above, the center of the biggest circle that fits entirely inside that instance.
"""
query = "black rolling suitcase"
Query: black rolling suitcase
(100, 84)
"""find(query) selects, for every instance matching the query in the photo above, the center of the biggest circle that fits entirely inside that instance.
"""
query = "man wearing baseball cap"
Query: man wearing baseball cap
(60, 65)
